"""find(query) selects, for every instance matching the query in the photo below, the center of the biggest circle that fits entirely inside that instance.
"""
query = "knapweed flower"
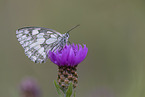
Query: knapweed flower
(67, 60)
(29, 88)
(70, 55)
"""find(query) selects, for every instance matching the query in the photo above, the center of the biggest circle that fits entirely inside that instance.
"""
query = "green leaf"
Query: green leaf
(74, 93)
(58, 89)
(69, 90)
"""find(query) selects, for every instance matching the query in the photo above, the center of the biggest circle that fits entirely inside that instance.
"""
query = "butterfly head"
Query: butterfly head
(66, 35)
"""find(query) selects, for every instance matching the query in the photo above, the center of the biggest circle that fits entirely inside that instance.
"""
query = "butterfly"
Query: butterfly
(38, 41)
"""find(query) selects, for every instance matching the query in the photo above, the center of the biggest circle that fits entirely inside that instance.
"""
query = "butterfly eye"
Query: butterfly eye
(66, 34)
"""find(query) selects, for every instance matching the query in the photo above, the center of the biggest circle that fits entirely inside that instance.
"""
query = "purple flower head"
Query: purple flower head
(29, 88)
(70, 55)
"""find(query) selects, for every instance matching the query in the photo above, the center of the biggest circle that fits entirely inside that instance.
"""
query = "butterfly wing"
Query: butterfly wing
(37, 41)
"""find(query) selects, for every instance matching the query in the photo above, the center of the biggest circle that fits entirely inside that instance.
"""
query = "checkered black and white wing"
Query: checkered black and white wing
(37, 41)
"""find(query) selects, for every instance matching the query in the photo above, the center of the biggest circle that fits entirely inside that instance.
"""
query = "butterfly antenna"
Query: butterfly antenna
(73, 28)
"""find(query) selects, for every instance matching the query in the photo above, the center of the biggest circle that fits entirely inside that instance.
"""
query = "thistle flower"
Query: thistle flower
(67, 60)
(29, 88)
(71, 55)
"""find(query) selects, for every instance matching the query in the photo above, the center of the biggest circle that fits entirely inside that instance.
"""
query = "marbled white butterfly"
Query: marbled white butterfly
(38, 41)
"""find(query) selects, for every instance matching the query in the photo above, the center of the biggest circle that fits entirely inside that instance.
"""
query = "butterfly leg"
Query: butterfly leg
(60, 45)
(54, 47)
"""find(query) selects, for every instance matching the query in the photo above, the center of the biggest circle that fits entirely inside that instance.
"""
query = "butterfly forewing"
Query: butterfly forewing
(37, 41)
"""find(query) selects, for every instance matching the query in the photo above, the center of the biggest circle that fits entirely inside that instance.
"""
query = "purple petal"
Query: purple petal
(71, 57)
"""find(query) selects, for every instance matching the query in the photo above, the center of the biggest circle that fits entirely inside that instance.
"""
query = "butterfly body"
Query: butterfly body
(38, 41)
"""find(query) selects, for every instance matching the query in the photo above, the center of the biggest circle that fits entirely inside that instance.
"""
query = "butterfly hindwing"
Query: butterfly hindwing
(37, 41)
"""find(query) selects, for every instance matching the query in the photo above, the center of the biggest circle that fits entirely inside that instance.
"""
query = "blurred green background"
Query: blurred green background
(113, 31)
